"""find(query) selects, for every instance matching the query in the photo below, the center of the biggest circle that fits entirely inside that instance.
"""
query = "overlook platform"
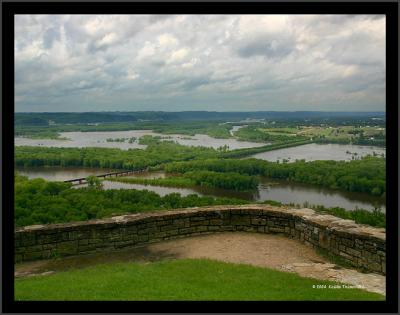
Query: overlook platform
(360, 246)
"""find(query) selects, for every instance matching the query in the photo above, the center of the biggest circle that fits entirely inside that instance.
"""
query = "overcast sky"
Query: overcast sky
(199, 62)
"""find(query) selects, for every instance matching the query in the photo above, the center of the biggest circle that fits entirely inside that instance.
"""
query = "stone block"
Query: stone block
(347, 242)
(94, 241)
(216, 222)
(131, 229)
(345, 255)
(226, 228)
(201, 229)
(67, 248)
(250, 228)
(276, 229)
(299, 226)
(240, 220)
(353, 252)
(49, 246)
(148, 230)
(374, 266)
(28, 241)
(35, 248)
(172, 232)
(87, 248)
(83, 242)
(123, 244)
(158, 235)
(48, 238)
(371, 247)
(323, 240)
(196, 219)
(381, 253)
(143, 238)
(213, 228)
(199, 223)
(258, 221)
(179, 223)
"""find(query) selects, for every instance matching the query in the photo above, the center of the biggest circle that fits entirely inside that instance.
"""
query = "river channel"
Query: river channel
(313, 151)
(268, 189)
(99, 139)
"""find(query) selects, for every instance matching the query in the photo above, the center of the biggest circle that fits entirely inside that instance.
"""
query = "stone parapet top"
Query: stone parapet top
(325, 221)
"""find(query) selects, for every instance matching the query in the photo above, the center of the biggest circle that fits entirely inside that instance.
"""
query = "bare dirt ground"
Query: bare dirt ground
(263, 250)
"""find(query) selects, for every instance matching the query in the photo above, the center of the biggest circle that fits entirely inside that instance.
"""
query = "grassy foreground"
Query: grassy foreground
(189, 279)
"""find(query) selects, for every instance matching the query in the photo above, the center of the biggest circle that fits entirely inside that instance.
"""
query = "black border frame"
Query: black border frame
(390, 9)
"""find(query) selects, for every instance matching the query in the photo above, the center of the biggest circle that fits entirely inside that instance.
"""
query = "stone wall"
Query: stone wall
(361, 246)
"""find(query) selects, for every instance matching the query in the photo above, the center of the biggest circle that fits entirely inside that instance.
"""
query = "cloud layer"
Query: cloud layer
(199, 62)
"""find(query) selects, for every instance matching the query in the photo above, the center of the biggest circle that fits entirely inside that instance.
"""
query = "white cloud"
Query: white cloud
(299, 62)
(167, 40)
(178, 55)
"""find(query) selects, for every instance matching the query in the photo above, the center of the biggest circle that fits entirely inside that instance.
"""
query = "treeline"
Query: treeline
(231, 180)
(313, 117)
(227, 180)
(132, 159)
(357, 141)
(374, 218)
(40, 202)
(190, 128)
(157, 152)
(253, 133)
(238, 153)
(366, 175)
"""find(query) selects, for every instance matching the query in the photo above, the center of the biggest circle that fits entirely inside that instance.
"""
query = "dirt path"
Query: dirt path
(263, 250)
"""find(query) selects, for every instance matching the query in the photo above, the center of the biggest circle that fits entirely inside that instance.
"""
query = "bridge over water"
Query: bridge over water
(82, 180)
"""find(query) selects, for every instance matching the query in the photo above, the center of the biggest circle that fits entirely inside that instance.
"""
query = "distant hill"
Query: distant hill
(47, 118)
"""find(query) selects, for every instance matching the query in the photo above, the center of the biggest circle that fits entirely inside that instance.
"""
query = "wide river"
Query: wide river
(309, 152)
(99, 139)
(313, 151)
(268, 189)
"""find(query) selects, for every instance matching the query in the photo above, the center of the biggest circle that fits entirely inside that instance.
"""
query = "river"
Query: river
(268, 189)
(313, 151)
(99, 139)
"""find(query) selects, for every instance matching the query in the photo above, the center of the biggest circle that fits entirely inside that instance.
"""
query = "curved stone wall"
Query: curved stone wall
(361, 246)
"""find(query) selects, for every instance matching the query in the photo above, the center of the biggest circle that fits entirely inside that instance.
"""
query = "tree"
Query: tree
(94, 182)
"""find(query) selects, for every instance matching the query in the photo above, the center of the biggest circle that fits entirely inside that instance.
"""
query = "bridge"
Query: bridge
(82, 180)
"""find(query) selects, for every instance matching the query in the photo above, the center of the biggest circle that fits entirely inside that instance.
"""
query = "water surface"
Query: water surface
(268, 189)
(313, 151)
(99, 139)
(52, 173)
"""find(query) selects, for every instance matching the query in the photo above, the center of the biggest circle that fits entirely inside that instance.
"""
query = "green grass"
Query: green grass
(180, 280)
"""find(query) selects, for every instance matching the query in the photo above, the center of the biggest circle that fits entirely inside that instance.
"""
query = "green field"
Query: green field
(181, 280)
(364, 135)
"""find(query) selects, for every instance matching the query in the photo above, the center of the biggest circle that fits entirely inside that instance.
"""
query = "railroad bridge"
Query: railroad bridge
(82, 180)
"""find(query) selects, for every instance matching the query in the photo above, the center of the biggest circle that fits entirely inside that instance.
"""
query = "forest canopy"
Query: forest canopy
(366, 175)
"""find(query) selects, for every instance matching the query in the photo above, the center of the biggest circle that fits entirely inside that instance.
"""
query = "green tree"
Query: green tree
(94, 182)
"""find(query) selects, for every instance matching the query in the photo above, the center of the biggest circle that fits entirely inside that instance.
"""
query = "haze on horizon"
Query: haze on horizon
(84, 63)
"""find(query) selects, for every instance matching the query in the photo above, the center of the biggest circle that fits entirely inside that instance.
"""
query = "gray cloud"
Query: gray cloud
(268, 47)
(193, 62)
